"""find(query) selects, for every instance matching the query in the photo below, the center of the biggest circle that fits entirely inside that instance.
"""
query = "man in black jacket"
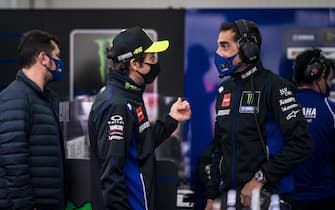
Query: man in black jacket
(122, 139)
(260, 132)
(31, 143)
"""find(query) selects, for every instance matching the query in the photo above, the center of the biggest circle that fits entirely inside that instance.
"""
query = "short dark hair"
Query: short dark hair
(252, 30)
(303, 60)
(32, 43)
(123, 66)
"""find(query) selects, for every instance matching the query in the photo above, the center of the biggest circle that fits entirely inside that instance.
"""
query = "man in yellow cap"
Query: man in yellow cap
(121, 136)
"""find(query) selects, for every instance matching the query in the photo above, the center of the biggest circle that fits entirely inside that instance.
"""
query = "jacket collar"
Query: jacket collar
(250, 70)
(21, 76)
(48, 93)
(307, 90)
(123, 81)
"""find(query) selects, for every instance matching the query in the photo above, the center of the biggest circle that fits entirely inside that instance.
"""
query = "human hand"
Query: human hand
(180, 110)
(209, 204)
(246, 191)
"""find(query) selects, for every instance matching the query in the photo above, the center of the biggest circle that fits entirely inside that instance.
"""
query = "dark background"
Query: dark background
(169, 25)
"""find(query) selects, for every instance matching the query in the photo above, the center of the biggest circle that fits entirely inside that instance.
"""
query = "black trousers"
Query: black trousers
(324, 204)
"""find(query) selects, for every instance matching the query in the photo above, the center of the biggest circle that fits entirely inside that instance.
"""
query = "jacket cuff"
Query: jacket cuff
(266, 175)
(171, 121)
(212, 195)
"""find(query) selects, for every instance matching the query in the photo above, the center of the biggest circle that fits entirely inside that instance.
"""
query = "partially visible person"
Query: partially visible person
(31, 143)
(123, 163)
(315, 177)
(204, 176)
(204, 164)
(247, 156)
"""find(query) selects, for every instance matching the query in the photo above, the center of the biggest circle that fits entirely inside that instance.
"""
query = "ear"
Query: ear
(42, 58)
(133, 64)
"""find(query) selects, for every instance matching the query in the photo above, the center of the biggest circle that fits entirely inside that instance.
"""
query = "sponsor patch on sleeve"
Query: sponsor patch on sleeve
(140, 114)
(226, 100)
(144, 126)
(115, 128)
(288, 103)
(223, 112)
(292, 114)
(285, 92)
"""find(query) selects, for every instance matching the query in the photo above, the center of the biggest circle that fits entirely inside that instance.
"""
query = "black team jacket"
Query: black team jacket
(257, 96)
(123, 168)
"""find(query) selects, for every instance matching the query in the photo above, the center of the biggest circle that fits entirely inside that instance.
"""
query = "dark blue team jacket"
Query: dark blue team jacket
(315, 177)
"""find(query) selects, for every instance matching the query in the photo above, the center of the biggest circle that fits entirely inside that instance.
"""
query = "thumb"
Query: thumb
(179, 100)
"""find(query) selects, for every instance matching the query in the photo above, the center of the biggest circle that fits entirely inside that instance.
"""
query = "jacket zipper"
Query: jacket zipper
(233, 136)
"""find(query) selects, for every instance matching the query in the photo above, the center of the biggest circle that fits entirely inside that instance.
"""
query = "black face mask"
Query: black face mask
(152, 74)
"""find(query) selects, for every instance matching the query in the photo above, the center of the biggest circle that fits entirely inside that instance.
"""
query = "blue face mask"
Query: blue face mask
(57, 73)
(225, 65)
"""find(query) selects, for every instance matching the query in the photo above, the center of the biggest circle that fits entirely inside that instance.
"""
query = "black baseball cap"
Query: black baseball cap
(133, 41)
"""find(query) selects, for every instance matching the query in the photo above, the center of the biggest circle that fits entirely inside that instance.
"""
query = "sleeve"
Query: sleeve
(163, 129)
(215, 175)
(15, 181)
(204, 163)
(289, 116)
(114, 133)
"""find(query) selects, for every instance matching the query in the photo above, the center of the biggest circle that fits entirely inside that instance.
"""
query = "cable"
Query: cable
(257, 121)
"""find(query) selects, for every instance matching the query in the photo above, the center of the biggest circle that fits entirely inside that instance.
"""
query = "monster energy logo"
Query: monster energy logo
(249, 102)
(250, 98)
(102, 44)
(85, 206)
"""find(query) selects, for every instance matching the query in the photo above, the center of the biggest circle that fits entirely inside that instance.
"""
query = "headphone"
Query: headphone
(248, 48)
(315, 68)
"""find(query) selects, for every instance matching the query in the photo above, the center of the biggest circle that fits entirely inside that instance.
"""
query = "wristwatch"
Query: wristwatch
(259, 176)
